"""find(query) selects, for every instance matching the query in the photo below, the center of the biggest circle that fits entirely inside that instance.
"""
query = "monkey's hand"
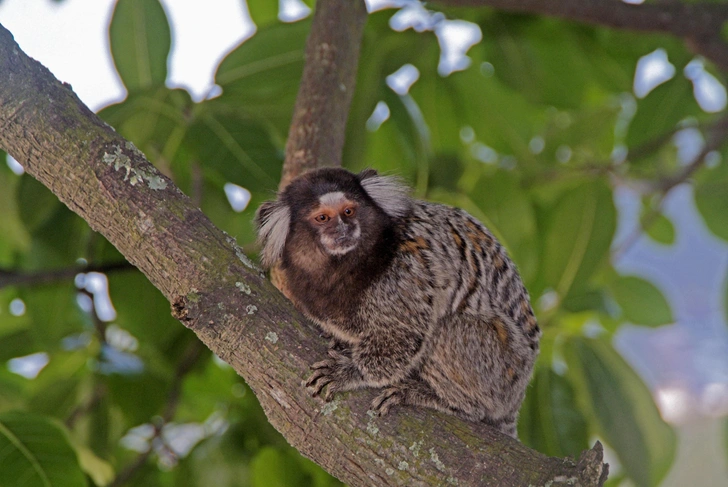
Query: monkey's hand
(411, 391)
(338, 372)
(391, 396)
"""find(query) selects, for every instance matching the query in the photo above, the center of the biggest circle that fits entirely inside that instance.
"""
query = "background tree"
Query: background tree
(533, 137)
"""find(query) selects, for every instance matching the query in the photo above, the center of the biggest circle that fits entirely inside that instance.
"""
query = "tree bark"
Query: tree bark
(226, 300)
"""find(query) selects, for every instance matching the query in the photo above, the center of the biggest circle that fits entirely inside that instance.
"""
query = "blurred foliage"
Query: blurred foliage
(527, 138)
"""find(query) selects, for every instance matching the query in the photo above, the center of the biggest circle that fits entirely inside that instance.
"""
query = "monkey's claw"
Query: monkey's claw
(336, 373)
(318, 380)
(321, 377)
(391, 396)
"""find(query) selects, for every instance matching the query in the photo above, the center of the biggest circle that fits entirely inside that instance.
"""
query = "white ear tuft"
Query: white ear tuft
(388, 192)
(273, 220)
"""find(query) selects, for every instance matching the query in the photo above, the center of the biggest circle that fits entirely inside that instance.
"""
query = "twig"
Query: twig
(100, 391)
(185, 365)
(14, 278)
(716, 136)
(645, 222)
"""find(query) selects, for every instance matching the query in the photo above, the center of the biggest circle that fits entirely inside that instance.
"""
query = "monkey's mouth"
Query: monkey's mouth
(340, 245)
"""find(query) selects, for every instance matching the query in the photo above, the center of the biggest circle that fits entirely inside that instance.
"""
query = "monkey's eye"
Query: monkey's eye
(322, 218)
(349, 211)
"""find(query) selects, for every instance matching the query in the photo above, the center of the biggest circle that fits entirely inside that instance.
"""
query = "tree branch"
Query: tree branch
(316, 136)
(699, 23)
(225, 299)
(15, 278)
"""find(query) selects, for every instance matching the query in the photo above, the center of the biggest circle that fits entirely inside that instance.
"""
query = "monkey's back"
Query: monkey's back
(479, 352)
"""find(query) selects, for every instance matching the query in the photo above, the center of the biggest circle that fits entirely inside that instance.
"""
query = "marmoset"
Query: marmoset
(420, 299)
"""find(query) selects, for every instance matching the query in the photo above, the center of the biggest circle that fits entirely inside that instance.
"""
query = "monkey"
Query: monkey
(420, 299)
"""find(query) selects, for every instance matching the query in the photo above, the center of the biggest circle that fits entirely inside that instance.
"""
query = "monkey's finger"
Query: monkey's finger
(324, 364)
(337, 354)
(315, 377)
(318, 383)
(330, 391)
(383, 396)
(390, 397)
(320, 386)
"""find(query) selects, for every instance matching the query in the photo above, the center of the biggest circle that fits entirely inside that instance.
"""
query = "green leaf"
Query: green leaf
(383, 52)
(550, 62)
(510, 213)
(711, 198)
(274, 467)
(100, 471)
(661, 110)
(579, 232)
(15, 236)
(53, 312)
(586, 299)
(34, 451)
(36, 202)
(140, 42)
(125, 391)
(500, 118)
(641, 302)
(550, 420)
(57, 241)
(238, 149)
(141, 309)
(151, 118)
(263, 12)
(261, 76)
(622, 408)
(659, 228)
(16, 333)
(268, 469)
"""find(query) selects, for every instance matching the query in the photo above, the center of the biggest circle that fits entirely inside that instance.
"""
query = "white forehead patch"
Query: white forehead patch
(334, 198)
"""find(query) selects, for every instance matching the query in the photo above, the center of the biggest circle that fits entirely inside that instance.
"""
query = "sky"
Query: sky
(71, 39)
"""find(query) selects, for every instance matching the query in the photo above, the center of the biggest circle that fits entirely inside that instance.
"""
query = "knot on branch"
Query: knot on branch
(183, 307)
(591, 466)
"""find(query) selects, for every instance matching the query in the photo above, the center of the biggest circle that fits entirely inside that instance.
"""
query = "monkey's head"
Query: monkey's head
(339, 212)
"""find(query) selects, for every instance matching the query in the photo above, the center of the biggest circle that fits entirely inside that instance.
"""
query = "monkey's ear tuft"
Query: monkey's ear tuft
(273, 220)
(388, 192)
(367, 173)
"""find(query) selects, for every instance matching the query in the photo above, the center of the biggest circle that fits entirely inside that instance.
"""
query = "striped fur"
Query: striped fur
(427, 305)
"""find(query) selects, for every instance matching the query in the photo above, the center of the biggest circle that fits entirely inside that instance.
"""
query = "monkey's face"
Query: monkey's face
(336, 221)
(332, 213)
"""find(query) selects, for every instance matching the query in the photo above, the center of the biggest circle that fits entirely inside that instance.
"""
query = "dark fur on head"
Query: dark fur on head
(382, 197)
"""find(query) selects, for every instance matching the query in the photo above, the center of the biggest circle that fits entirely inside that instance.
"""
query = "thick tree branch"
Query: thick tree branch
(236, 312)
(699, 23)
(316, 136)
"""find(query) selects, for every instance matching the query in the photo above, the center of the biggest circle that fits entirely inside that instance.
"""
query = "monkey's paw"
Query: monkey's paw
(391, 396)
(338, 372)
